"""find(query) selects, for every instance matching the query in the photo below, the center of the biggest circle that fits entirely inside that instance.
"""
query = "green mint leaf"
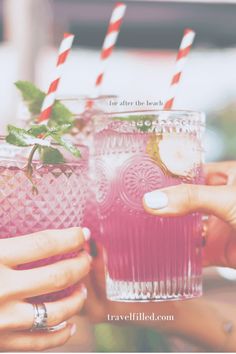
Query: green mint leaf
(67, 145)
(21, 137)
(36, 130)
(14, 140)
(60, 129)
(51, 155)
(32, 96)
(34, 99)
(60, 115)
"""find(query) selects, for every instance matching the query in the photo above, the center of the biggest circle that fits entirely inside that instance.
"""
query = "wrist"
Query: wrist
(206, 322)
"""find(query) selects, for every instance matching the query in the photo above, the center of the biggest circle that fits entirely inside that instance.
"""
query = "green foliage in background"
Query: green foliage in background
(112, 338)
(224, 123)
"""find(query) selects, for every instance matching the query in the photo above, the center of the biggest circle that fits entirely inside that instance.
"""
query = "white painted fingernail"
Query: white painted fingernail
(84, 291)
(87, 233)
(73, 329)
(156, 200)
(58, 327)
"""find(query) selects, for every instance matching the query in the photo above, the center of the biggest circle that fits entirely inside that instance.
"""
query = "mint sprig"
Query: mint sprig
(61, 122)
(41, 137)
(24, 138)
(48, 154)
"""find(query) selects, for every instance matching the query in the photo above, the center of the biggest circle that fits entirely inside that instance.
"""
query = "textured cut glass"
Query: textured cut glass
(59, 203)
(148, 258)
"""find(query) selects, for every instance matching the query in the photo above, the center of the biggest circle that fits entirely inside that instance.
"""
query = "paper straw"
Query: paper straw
(180, 63)
(110, 40)
(50, 97)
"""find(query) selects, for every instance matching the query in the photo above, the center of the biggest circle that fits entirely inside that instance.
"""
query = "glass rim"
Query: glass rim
(200, 115)
(2, 139)
(85, 97)
(72, 161)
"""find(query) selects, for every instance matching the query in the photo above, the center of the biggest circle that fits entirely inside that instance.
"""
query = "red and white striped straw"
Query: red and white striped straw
(50, 97)
(180, 63)
(110, 40)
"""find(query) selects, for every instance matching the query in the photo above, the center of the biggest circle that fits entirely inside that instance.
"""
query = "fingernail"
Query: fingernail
(87, 233)
(156, 200)
(58, 327)
(84, 290)
(73, 329)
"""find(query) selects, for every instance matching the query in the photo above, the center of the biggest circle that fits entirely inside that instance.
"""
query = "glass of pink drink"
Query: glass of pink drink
(148, 258)
(59, 203)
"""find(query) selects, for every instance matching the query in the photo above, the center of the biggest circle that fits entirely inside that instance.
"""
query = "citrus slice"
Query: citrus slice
(179, 153)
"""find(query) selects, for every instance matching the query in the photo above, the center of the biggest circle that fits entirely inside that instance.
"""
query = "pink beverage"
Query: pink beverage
(148, 258)
(84, 109)
(60, 202)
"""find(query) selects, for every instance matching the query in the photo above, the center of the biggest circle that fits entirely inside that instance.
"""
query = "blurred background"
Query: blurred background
(141, 67)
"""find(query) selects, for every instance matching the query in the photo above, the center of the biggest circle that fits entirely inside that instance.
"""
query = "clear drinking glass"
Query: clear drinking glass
(84, 109)
(148, 258)
(59, 203)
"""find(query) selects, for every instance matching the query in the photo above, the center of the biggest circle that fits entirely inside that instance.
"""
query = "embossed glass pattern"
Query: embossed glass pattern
(60, 202)
(148, 258)
(83, 133)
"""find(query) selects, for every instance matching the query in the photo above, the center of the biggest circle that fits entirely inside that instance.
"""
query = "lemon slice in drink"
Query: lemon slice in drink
(179, 154)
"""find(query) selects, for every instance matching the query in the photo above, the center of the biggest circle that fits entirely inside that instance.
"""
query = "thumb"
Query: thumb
(186, 198)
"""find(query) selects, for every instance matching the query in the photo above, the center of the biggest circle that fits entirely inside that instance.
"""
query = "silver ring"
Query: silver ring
(40, 317)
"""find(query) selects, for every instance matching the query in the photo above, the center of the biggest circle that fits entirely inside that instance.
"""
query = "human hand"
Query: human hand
(17, 315)
(217, 199)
